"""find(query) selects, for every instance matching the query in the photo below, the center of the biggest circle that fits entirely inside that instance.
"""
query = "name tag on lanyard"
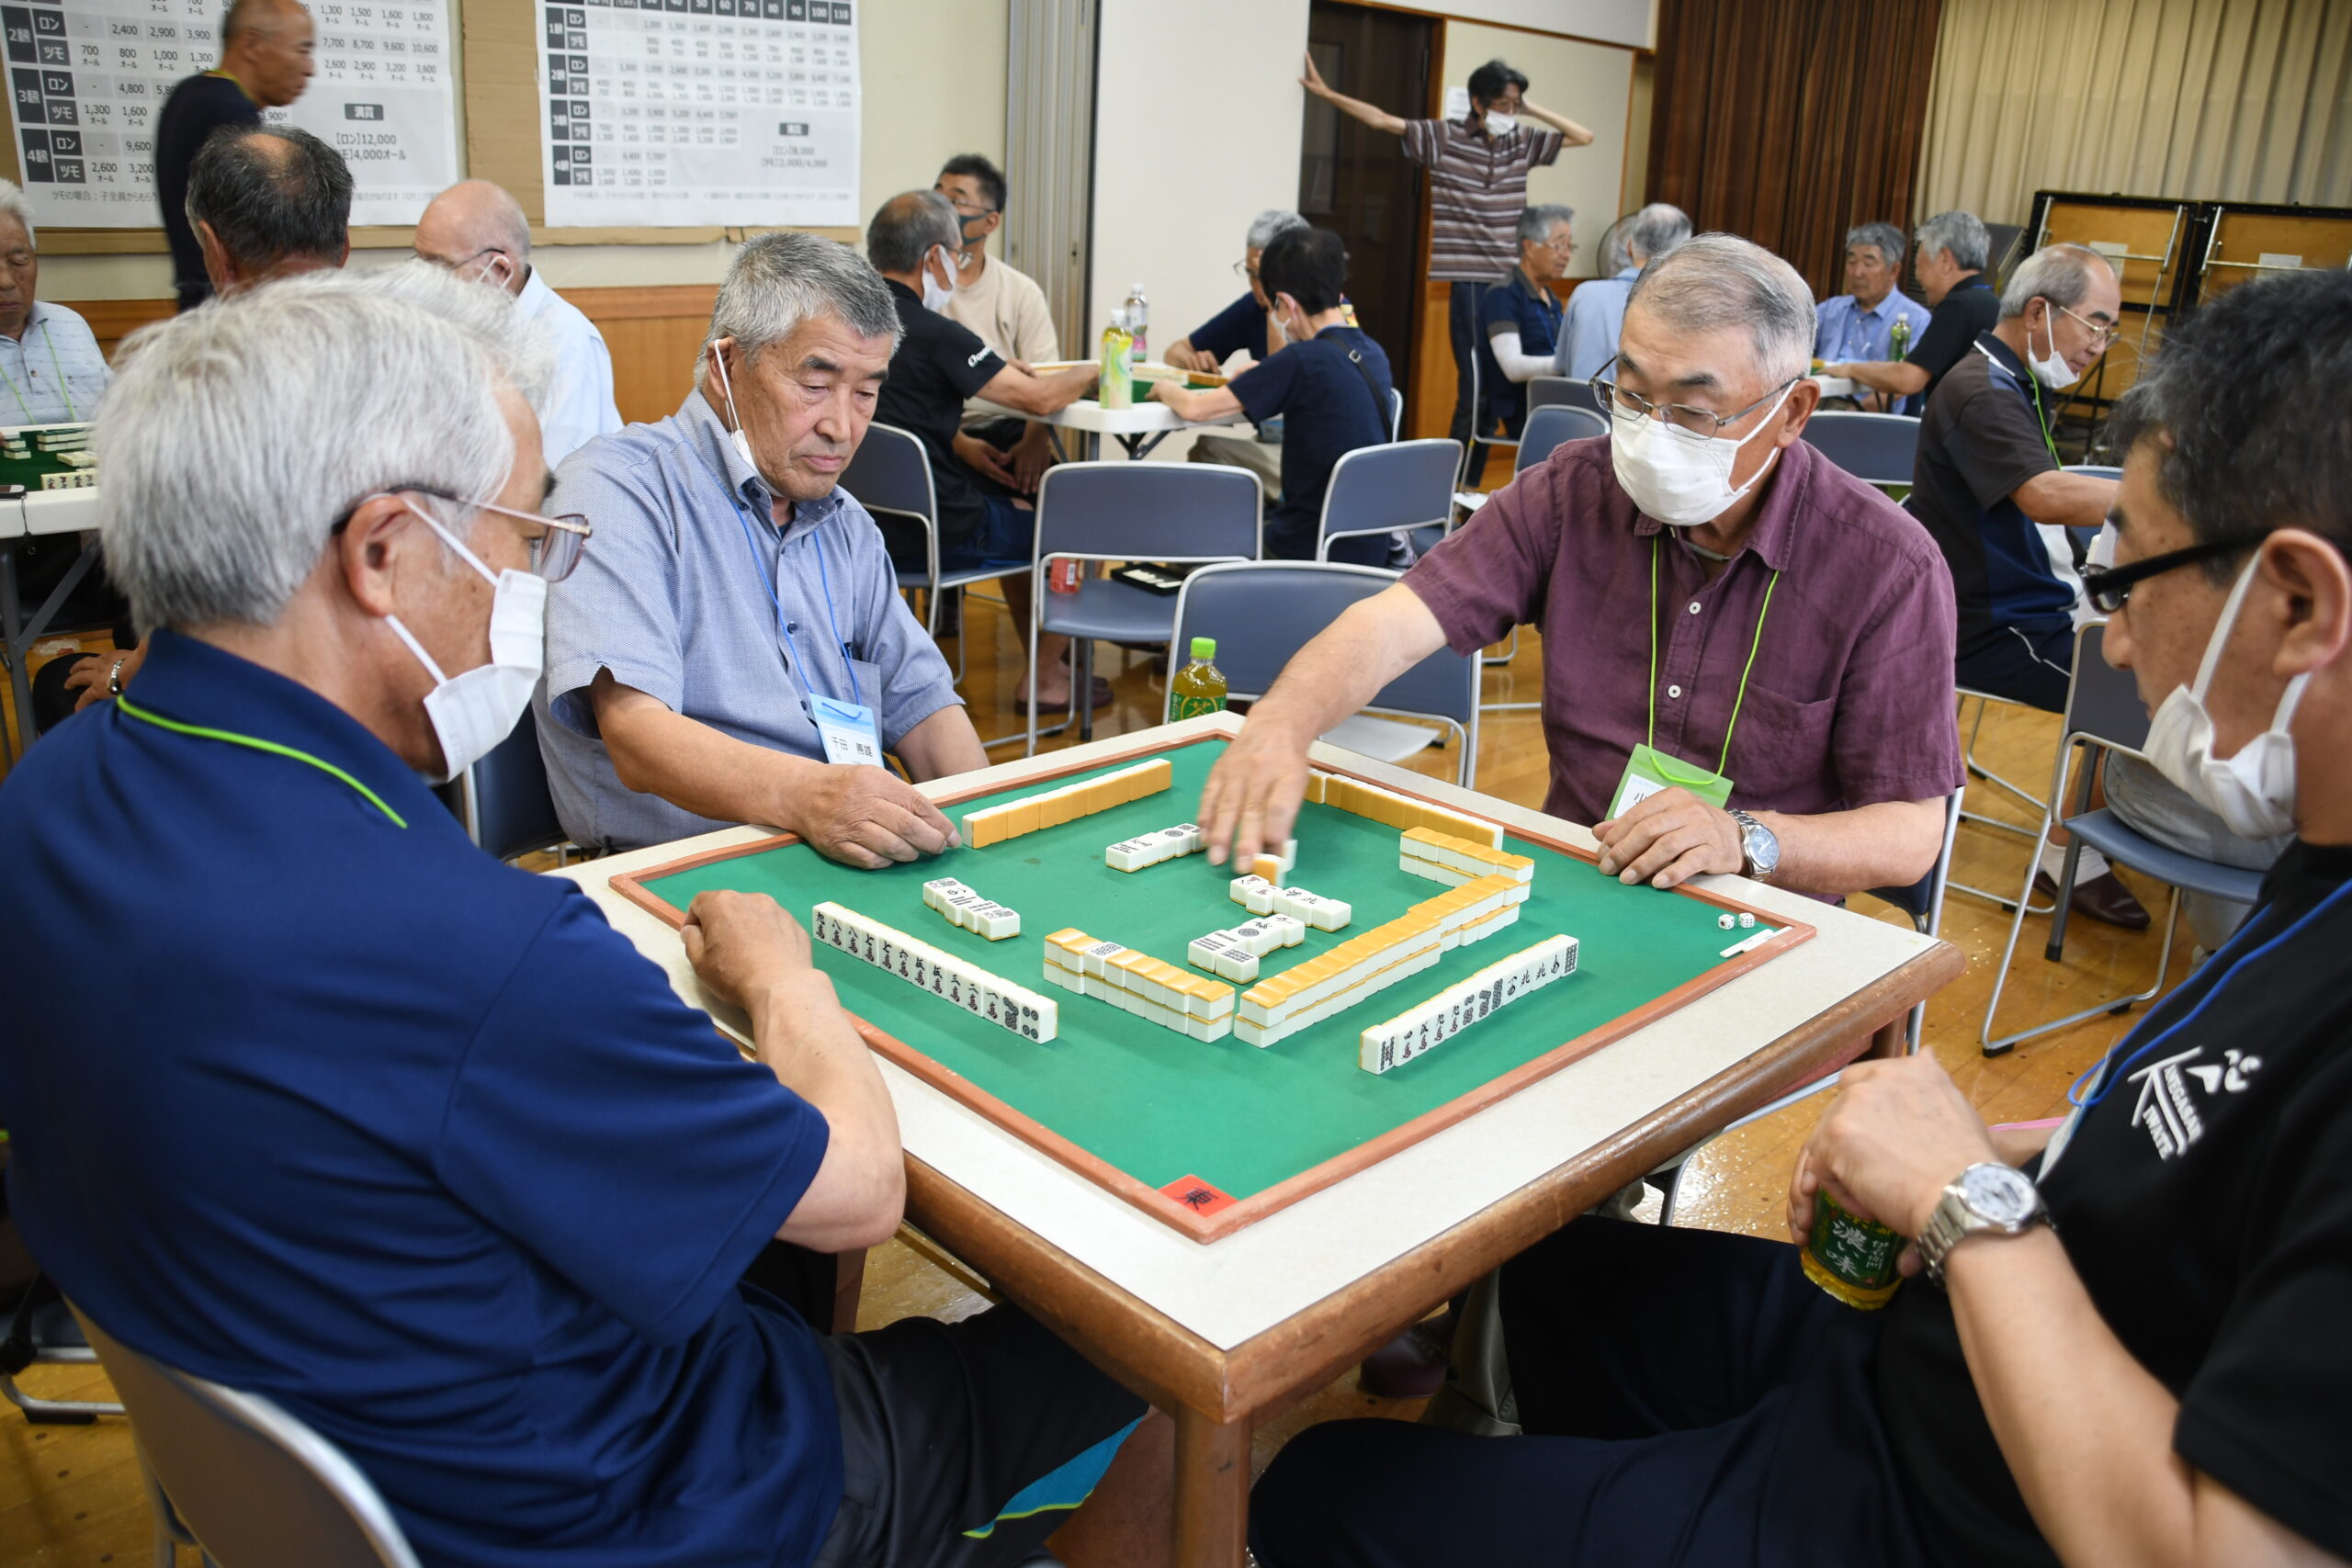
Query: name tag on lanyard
(847, 729)
(1649, 771)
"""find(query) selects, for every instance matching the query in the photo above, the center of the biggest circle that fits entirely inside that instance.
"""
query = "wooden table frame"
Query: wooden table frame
(1218, 1397)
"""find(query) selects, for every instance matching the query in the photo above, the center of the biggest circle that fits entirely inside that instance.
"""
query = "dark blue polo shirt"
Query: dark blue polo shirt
(1239, 325)
(1535, 314)
(1328, 411)
(349, 1114)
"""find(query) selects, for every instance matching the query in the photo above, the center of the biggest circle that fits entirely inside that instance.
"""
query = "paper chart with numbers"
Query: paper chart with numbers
(699, 111)
(87, 79)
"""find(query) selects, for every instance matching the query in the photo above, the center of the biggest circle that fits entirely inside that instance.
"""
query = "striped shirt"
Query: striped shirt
(1478, 189)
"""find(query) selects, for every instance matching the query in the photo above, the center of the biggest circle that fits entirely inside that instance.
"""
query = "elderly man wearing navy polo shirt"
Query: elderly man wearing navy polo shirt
(410, 1142)
(1747, 652)
(735, 649)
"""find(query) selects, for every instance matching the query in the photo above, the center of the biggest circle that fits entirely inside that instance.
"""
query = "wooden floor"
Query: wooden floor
(72, 1494)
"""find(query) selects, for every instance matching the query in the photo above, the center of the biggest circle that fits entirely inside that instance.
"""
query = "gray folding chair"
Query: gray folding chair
(1548, 426)
(1548, 391)
(503, 799)
(1262, 613)
(1395, 488)
(1477, 438)
(1879, 448)
(1396, 414)
(41, 1332)
(2103, 714)
(1177, 512)
(889, 474)
(1924, 902)
(251, 1484)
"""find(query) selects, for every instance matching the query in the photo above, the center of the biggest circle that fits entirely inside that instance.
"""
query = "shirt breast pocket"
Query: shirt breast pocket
(1781, 756)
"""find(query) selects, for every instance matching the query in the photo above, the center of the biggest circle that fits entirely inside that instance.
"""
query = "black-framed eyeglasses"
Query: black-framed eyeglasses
(557, 543)
(1244, 270)
(2109, 588)
(1704, 423)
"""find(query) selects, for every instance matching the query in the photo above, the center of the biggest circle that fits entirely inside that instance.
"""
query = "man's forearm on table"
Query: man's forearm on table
(942, 746)
(1891, 844)
(697, 769)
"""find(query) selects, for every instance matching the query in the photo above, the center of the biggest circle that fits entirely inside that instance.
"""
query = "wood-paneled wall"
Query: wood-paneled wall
(652, 333)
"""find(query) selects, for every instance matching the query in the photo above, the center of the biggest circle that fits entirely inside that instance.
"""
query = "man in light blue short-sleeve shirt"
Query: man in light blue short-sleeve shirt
(739, 615)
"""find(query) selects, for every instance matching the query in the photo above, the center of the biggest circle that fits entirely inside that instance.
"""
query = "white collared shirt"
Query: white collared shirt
(55, 373)
(579, 403)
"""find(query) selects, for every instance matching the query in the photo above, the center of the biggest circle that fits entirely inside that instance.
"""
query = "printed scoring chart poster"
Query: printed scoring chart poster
(87, 80)
(663, 112)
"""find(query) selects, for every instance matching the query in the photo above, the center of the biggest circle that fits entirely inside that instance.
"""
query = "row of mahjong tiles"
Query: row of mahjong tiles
(1159, 1107)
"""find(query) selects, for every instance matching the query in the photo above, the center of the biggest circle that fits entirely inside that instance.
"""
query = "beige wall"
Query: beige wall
(1591, 84)
(922, 105)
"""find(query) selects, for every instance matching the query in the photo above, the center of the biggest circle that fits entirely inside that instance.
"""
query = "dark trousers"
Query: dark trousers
(1470, 419)
(1689, 1399)
(2032, 664)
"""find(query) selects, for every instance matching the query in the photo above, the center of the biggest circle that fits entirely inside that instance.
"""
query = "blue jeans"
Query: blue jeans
(1007, 536)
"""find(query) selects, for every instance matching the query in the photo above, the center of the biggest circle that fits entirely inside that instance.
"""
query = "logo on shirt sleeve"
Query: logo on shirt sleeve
(974, 361)
(2168, 1108)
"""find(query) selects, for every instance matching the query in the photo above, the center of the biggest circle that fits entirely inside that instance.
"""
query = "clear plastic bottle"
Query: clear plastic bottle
(1138, 324)
(1199, 687)
(1116, 387)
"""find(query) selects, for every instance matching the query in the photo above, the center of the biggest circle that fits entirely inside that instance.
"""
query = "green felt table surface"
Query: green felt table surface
(26, 471)
(1162, 1106)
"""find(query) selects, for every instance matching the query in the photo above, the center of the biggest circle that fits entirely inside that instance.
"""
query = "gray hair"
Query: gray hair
(1536, 222)
(1721, 280)
(778, 281)
(1886, 238)
(235, 437)
(2059, 273)
(13, 205)
(519, 350)
(1652, 231)
(1960, 235)
(1267, 224)
(909, 227)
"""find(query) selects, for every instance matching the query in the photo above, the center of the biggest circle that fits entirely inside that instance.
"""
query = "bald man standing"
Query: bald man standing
(478, 232)
(265, 64)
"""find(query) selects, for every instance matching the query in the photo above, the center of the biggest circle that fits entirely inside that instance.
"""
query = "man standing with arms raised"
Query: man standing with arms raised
(1477, 189)
(265, 64)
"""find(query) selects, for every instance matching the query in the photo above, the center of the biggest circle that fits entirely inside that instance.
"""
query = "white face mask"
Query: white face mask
(2054, 372)
(1499, 123)
(936, 298)
(472, 712)
(2253, 791)
(1282, 325)
(742, 442)
(1679, 479)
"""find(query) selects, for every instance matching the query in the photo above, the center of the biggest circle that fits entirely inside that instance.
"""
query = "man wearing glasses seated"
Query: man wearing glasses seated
(1519, 322)
(1747, 652)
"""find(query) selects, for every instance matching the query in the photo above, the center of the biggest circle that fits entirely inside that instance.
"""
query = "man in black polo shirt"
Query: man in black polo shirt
(2158, 1375)
(264, 64)
(1948, 258)
(939, 363)
(1330, 386)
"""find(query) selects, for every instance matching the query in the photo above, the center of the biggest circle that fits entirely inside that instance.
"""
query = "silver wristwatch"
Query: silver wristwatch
(1989, 1198)
(1760, 847)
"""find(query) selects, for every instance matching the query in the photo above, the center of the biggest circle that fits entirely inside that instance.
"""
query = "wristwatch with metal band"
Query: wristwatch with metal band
(1760, 847)
(1985, 1199)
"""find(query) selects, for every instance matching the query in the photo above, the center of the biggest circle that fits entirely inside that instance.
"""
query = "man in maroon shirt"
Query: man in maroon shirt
(1706, 584)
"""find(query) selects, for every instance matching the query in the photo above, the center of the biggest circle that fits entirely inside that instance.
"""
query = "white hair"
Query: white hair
(2059, 273)
(235, 438)
(1652, 231)
(1721, 280)
(779, 280)
(1267, 224)
(519, 349)
(13, 205)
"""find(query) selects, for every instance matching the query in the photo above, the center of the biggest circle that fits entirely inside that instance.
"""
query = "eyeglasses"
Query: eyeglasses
(557, 543)
(2109, 588)
(2100, 336)
(1558, 247)
(1703, 423)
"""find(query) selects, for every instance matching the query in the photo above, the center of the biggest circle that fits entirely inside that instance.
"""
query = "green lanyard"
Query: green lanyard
(272, 747)
(63, 390)
(1739, 698)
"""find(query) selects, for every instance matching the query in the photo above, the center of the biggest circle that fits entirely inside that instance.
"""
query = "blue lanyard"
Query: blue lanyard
(803, 670)
(2075, 1093)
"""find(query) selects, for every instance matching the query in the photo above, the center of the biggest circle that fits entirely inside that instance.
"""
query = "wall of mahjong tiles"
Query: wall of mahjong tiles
(1161, 1106)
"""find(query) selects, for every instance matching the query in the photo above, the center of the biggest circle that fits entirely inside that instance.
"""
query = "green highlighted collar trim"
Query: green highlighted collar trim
(255, 743)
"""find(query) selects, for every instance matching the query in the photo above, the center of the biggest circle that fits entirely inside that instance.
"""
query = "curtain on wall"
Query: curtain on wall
(2226, 100)
(1789, 122)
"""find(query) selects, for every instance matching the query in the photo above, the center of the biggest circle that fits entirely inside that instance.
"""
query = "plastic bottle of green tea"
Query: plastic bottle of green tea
(1199, 687)
(1851, 1258)
(1115, 387)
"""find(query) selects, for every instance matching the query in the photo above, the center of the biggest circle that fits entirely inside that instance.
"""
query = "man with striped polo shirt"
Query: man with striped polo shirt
(1477, 189)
